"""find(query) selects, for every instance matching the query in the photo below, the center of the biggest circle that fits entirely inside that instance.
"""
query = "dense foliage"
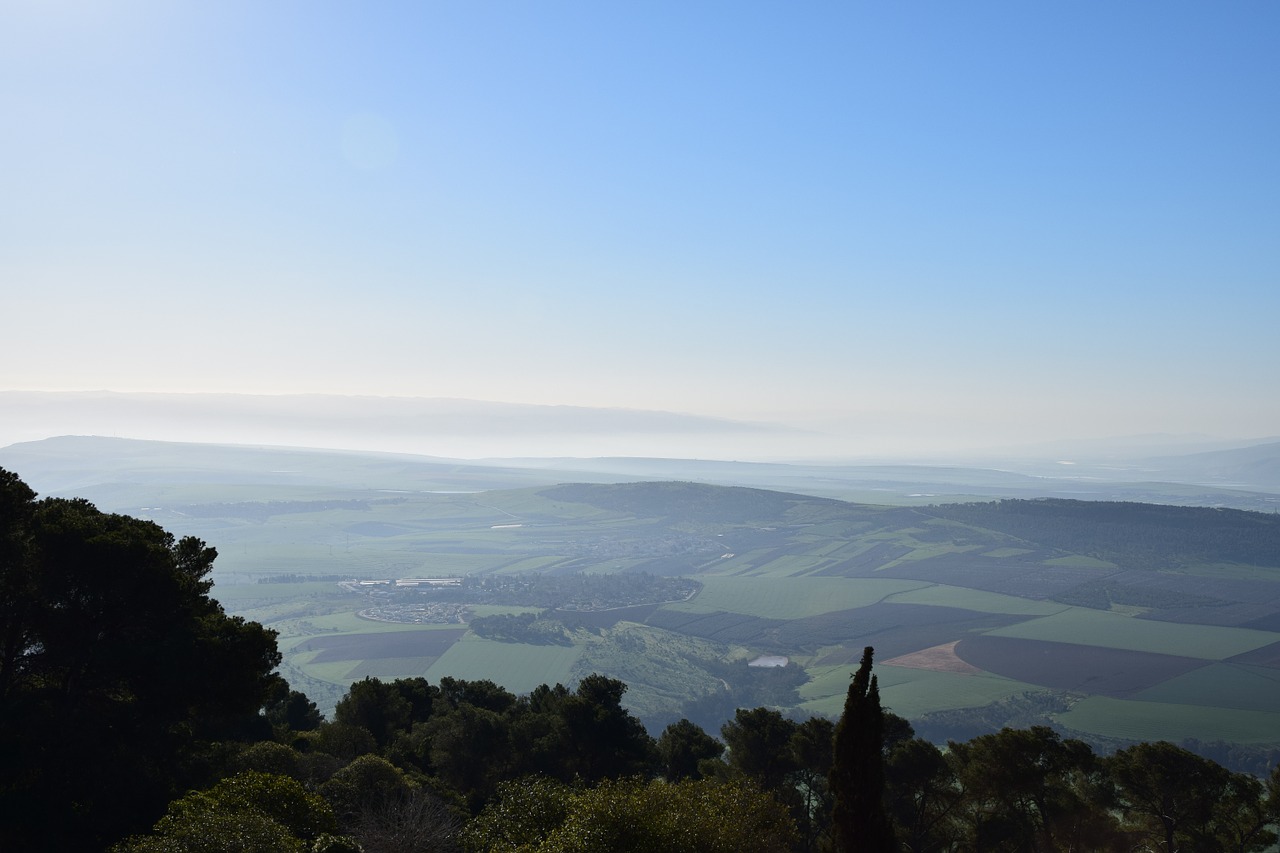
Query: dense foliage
(631, 816)
(118, 673)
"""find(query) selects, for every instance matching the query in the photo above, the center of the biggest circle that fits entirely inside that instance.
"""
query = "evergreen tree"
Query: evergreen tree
(118, 673)
(682, 747)
(859, 823)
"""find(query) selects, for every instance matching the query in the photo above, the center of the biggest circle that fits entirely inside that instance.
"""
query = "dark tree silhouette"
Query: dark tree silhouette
(117, 671)
(859, 823)
(682, 746)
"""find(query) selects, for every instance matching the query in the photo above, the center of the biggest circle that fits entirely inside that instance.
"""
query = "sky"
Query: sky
(965, 223)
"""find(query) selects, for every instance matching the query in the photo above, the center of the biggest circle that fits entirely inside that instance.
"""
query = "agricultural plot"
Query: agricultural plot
(944, 595)
(349, 622)
(1135, 720)
(812, 579)
(790, 565)
(1111, 630)
(1071, 667)
(1009, 575)
(390, 668)
(1221, 685)
(908, 692)
(1268, 656)
(863, 561)
(389, 644)
(603, 618)
(892, 628)
(516, 666)
(788, 598)
(719, 626)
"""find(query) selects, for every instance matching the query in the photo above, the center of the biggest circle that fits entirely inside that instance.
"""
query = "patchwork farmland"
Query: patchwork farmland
(1080, 639)
(1107, 620)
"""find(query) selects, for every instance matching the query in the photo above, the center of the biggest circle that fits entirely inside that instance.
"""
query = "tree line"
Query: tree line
(136, 716)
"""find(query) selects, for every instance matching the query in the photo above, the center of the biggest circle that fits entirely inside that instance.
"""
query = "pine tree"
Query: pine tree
(859, 823)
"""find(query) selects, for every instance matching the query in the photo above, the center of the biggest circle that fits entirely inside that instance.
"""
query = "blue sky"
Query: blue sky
(960, 222)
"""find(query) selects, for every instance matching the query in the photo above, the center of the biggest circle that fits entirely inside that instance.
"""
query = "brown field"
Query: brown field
(941, 658)
(1067, 666)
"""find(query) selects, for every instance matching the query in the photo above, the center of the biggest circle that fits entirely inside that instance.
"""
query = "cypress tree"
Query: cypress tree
(859, 823)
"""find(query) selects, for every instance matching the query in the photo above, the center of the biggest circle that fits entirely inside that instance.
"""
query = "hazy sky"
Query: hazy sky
(979, 219)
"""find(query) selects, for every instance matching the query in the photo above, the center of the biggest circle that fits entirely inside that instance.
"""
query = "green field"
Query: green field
(1114, 630)
(774, 577)
(908, 692)
(1134, 720)
(940, 595)
(516, 666)
(791, 598)
(1221, 685)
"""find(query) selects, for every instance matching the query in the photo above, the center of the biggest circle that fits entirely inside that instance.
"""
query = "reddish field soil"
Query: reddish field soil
(941, 658)
(1066, 666)
(390, 644)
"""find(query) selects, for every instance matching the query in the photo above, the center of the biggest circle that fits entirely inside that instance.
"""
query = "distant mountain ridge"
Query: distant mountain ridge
(387, 414)
(457, 428)
(1257, 466)
(116, 471)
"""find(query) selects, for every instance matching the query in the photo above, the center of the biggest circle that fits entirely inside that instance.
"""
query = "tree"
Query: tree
(268, 756)
(521, 816)
(858, 820)
(1243, 819)
(469, 750)
(247, 813)
(631, 816)
(811, 750)
(290, 710)
(604, 739)
(379, 806)
(759, 742)
(1028, 789)
(378, 707)
(117, 671)
(418, 822)
(682, 746)
(368, 783)
(920, 795)
(1168, 793)
(581, 734)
